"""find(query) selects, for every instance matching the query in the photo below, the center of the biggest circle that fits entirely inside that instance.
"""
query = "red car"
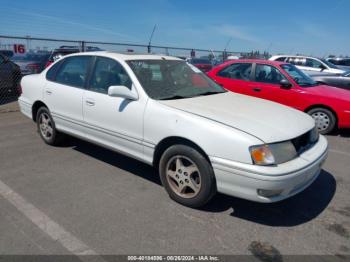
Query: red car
(202, 64)
(284, 83)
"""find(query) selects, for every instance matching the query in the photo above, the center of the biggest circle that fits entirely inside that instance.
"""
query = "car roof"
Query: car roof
(127, 56)
(297, 56)
(263, 61)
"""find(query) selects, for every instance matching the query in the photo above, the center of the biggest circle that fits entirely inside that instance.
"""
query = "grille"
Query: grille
(305, 141)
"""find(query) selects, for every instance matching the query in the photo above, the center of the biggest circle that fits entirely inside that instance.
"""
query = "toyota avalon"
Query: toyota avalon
(169, 114)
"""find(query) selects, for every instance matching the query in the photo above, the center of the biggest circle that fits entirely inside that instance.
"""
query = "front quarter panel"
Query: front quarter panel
(215, 139)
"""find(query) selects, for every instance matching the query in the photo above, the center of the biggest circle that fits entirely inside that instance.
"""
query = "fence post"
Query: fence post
(83, 46)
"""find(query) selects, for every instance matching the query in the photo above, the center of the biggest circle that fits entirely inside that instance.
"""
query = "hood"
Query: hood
(330, 92)
(266, 120)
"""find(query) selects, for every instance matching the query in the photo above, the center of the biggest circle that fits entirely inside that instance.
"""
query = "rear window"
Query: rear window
(281, 59)
(58, 54)
(51, 74)
(341, 62)
(73, 71)
(7, 53)
(200, 61)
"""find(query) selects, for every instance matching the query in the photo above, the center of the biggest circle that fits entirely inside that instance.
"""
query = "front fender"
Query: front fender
(216, 139)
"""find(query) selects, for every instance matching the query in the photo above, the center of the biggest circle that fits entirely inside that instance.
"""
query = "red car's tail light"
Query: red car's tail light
(48, 64)
(19, 89)
(34, 68)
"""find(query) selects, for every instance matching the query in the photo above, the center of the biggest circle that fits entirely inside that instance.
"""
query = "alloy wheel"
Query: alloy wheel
(183, 176)
(45, 125)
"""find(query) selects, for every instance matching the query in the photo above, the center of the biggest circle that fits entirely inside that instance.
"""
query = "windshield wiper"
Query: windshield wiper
(308, 84)
(211, 93)
(174, 97)
(202, 94)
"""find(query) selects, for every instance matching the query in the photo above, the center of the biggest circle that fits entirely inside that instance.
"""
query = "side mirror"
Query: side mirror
(322, 67)
(122, 91)
(285, 84)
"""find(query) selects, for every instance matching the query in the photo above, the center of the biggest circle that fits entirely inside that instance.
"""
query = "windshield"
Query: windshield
(329, 64)
(30, 57)
(200, 61)
(298, 76)
(7, 53)
(172, 79)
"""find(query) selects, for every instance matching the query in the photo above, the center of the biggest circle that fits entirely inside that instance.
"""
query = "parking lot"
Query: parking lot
(80, 198)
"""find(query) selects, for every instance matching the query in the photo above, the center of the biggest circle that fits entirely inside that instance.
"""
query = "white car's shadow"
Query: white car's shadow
(342, 133)
(294, 211)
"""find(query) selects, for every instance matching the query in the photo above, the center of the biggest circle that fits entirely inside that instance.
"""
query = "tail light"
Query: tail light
(33, 68)
(19, 89)
(48, 64)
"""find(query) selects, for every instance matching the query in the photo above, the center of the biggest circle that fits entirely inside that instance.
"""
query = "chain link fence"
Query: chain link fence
(20, 56)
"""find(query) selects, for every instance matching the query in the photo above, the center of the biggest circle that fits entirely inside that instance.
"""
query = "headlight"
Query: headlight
(273, 154)
(262, 155)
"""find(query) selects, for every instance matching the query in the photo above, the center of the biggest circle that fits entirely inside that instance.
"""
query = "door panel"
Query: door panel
(65, 105)
(267, 85)
(236, 77)
(63, 94)
(6, 75)
(113, 121)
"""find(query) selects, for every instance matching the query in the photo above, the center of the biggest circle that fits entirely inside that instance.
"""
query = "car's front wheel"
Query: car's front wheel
(187, 176)
(324, 118)
(46, 127)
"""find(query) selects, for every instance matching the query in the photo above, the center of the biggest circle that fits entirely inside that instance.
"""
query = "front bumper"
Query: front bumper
(244, 180)
(344, 119)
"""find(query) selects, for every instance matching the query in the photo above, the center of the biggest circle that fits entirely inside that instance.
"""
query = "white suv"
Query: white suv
(309, 65)
(167, 113)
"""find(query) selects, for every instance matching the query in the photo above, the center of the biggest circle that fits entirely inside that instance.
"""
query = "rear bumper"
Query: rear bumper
(245, 180)
(25, 106)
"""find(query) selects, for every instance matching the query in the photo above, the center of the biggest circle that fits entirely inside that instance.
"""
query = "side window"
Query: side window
(51, 73)
(73, 71)
(346, 62)
(2, 60)
(296, 61)
(313, 63)
(333, 61)
(268, 74)
(281, 59)
(239, 71)
(108, 72)
(291, 60)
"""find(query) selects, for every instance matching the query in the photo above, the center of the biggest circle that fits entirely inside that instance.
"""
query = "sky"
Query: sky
(318, 28)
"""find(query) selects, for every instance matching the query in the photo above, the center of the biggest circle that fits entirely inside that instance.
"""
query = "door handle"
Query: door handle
(90, 102)
(256, 89)
(49, 92)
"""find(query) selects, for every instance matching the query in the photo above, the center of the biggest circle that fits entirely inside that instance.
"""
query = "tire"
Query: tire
(44, 117)
(184, 167)
(324, 118)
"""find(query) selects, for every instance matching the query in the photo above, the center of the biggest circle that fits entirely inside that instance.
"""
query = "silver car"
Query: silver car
(310, 65)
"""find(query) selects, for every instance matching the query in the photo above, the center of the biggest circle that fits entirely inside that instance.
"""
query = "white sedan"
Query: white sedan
(166, 113)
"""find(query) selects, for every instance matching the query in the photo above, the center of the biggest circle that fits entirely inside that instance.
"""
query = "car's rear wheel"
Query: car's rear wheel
(324, 118)
(187, 176)
(46, 127)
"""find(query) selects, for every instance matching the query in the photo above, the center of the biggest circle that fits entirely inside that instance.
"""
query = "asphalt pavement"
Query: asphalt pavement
(82, 198)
